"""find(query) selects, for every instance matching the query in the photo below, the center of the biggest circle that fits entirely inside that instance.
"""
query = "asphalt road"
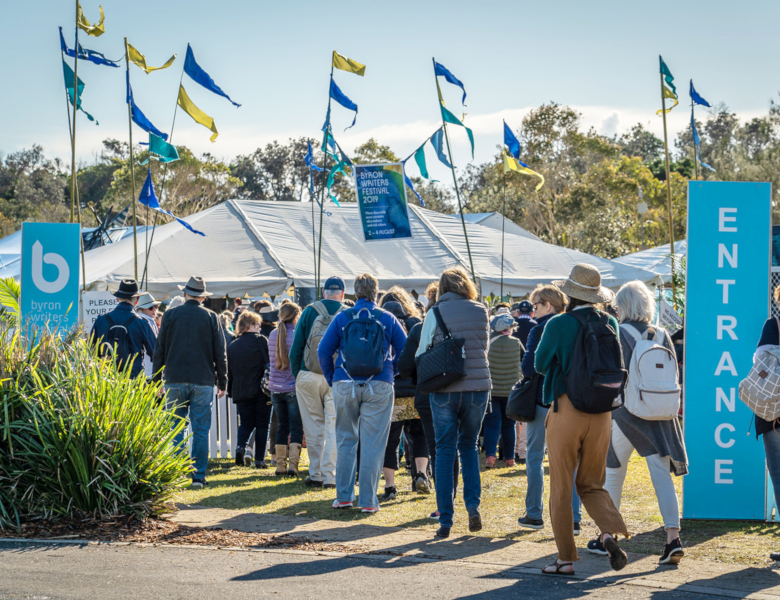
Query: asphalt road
(59, 572)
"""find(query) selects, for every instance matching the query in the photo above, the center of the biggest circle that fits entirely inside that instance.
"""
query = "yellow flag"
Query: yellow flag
(95, 30)
(348, 65)
(197, 114)
(667, 93)
(512, 164)
(139, 59)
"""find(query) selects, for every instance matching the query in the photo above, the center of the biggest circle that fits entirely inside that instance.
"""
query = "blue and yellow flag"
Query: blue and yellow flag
(513, 164)
(511, 142)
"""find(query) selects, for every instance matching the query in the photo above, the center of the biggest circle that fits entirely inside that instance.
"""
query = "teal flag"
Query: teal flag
(162, 150)
(69, 76)
(450, 118)
(419, 158)
(667, 75)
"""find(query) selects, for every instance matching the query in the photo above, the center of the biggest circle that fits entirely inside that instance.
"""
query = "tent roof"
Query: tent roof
(493, 220)
(255, 247)
(655, 259)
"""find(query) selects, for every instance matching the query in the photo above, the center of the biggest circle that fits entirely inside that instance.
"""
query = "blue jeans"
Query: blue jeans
(289, 417)
(191, 401)
(253, 416)
(497, 422)
(535, 470)
(362, 416)
(457, 418)
(772, 448)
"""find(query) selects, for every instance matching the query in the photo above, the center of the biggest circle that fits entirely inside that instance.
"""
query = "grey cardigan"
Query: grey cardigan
(648, 437)
(466, 319)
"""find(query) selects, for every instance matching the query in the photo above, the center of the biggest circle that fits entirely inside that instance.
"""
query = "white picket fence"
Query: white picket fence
(224, 426)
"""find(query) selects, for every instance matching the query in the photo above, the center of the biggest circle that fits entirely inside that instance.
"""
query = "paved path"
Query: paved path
(500, 555)
(108, 572)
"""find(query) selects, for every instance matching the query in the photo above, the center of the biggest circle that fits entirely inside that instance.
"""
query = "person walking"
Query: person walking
(459, 408)
(190, 354)
(547, 301)
(504, 354)
(315, 398)
(247, 359)
(578, 441)
(226, 321)
(660, 443)
(147, 308)
(523, 314)
(366, 341)
(123, 334)
(405, 419)
(281, 383)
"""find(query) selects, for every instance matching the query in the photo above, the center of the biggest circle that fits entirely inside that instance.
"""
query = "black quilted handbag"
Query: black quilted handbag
(442, 364)
(521, 405)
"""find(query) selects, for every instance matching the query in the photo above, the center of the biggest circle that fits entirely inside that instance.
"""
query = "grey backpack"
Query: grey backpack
(318, 329)
(760, 390)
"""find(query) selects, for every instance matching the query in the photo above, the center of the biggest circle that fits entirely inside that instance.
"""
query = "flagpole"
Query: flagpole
(503, 223)
(162, 189)
(132, 169)
(324, 184)
(75, 108)
(313, 227)
(668, 193)
(695, 158)
(455, 182)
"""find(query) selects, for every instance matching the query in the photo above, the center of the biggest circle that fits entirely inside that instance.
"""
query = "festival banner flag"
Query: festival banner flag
(347, 64)
(86, 54)
(671, 94)
(139, 59)
(450, 118)
(69, 76)
(442, 71)
(513, 164)
(437, 141)
(197, 114)
(696, 98)
(137, 115)
(342, 99)
(511, 142)
(161, 150)
(95, 30)
(149, 198)
(198, 75)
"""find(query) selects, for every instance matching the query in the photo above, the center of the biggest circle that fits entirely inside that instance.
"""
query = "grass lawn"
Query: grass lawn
(503, 501)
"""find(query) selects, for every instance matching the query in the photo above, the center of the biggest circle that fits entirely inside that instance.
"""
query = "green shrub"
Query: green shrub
(80, 437)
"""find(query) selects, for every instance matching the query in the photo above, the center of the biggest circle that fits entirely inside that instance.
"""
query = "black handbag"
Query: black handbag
(442, 364)
(521, 405)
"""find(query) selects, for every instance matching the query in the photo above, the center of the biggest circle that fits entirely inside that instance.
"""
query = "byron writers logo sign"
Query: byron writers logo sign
(50, 275)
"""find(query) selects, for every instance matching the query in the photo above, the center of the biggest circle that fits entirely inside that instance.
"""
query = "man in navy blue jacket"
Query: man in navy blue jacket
(364, 405)
(136, 329)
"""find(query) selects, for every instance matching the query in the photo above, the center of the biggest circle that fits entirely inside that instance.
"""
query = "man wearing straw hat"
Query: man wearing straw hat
(190, 354)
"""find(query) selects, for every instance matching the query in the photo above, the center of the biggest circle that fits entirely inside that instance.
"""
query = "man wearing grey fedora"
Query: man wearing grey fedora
(190, 354)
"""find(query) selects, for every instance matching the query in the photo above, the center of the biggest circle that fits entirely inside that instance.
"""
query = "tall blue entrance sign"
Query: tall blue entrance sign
(727, 302)
(50, 275)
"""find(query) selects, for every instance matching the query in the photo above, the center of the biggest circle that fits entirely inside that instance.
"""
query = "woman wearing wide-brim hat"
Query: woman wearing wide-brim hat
(576, 441)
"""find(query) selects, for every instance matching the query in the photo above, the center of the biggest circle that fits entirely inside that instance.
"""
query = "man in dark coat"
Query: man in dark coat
(522, 312)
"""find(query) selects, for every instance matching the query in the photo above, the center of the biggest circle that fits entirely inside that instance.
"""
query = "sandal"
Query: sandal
(557, 568)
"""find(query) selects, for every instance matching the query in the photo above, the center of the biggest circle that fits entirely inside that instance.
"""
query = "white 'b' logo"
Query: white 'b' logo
(50, 258)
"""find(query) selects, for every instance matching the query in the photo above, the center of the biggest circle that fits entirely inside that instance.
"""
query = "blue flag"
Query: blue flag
(86, 54)
(437, 141)
(139, 118)
(697, 143)
(409, 183)
(149, 198)
(309, 159)
(511, 142)
(441, 71)
(342, 99)
(200, 76)
(696, 98)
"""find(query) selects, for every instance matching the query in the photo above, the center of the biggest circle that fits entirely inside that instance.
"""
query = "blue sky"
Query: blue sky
(600, 57)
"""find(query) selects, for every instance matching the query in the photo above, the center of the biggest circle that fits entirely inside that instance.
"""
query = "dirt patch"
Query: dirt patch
(162, 531)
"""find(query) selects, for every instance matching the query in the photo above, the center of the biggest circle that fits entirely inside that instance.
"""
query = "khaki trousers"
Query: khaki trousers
(521, 440)
(318, 414)
(578, 441)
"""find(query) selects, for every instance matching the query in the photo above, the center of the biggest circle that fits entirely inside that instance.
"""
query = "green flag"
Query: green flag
(667, 75)
(69, 76)
(450, 118)
(419, 158)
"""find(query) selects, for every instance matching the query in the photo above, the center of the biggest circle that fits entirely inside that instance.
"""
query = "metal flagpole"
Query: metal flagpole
(503, 223)
(324, 184)
(695, 158)
(668, 193)
(75, 105)
(132, 170)
(455, 182)
(162, 189)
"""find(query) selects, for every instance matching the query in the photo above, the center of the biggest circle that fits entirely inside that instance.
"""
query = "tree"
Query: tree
(32, 188)
(640, 142)
(276, 172)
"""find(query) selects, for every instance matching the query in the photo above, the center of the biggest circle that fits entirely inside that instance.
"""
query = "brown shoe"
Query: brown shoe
(295, 456)
(281, 460)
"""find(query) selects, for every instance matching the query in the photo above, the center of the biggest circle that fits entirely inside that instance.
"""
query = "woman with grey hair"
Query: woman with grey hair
(660, 443)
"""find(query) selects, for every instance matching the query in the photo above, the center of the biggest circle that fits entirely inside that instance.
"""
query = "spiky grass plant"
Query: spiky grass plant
(80, 437)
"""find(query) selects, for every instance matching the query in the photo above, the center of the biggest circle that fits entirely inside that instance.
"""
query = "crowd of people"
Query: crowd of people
(353, 380)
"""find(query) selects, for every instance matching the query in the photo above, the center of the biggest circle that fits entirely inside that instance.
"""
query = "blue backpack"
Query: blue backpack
(362, 344)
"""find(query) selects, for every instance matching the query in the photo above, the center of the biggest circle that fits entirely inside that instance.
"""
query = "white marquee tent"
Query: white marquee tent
(255, 247)
(656, 259)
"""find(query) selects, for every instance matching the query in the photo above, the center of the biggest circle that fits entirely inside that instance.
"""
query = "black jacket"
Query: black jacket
(524, 327)
(404, 386)
(191, 347)
(247, 359)
(407, 367)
